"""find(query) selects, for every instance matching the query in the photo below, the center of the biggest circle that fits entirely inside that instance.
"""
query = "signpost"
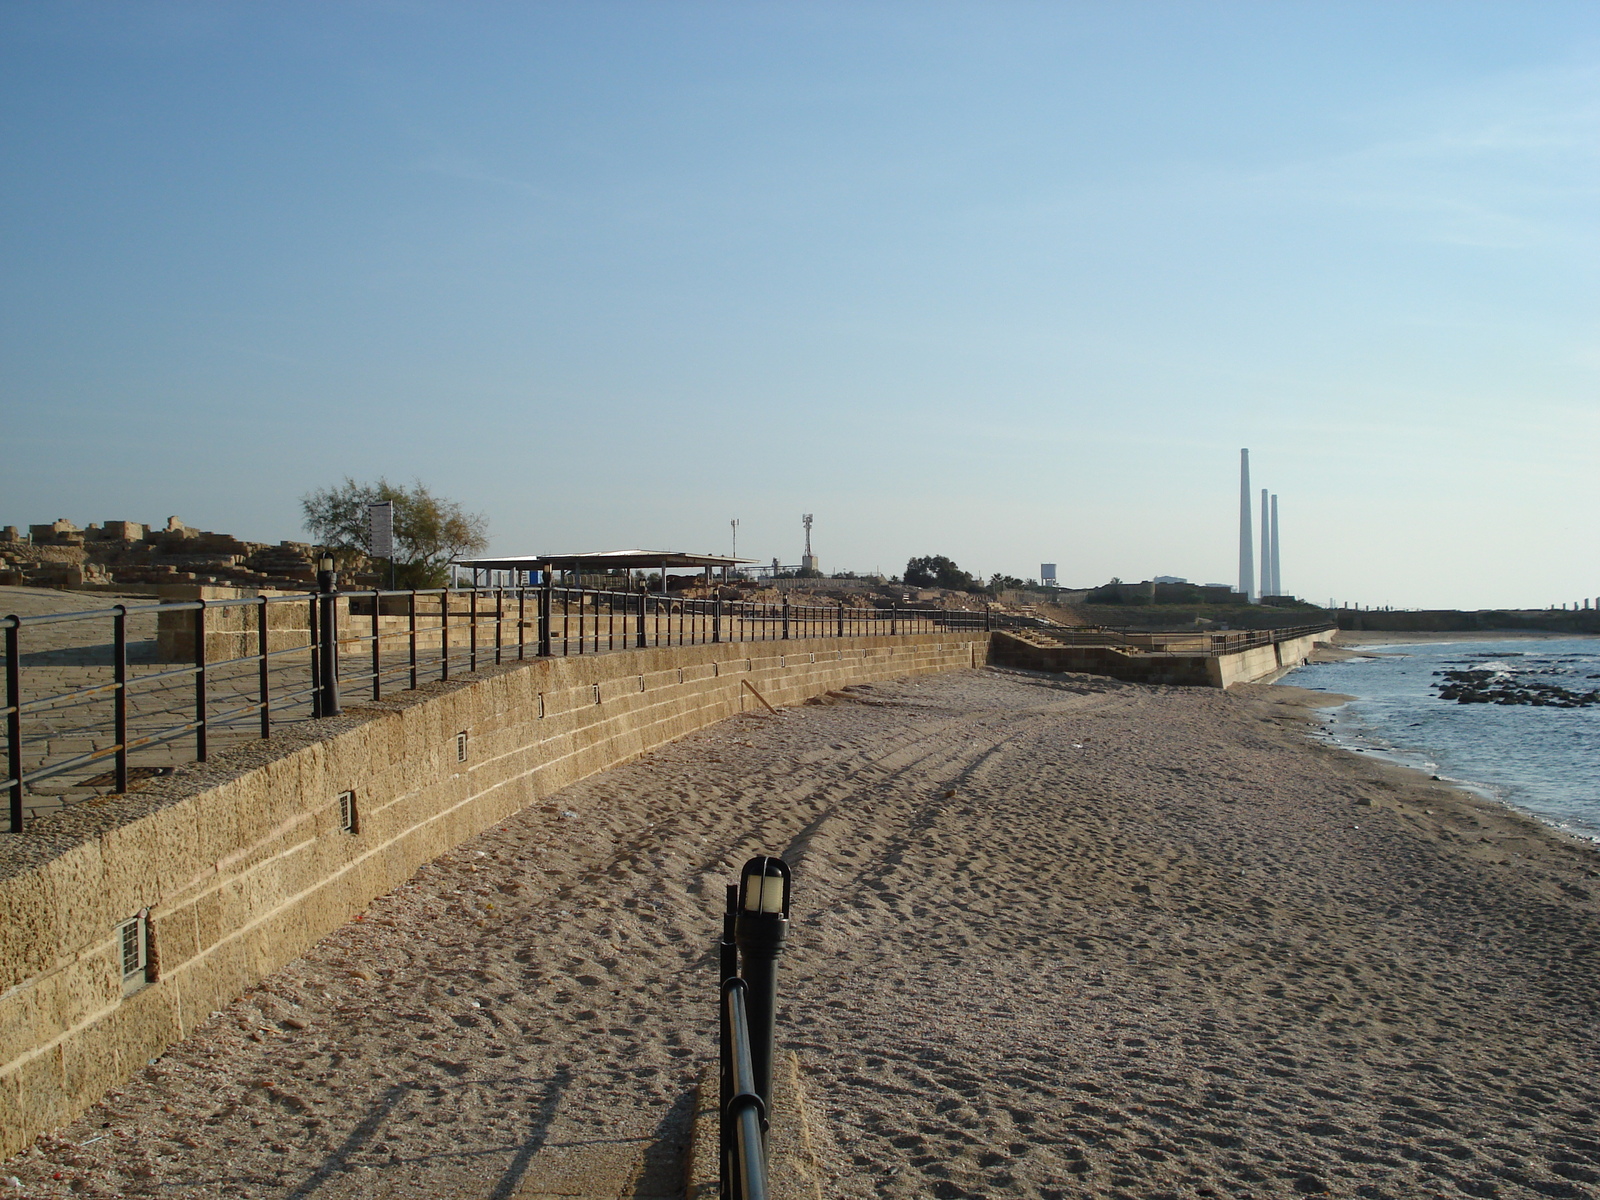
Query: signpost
(380, 534)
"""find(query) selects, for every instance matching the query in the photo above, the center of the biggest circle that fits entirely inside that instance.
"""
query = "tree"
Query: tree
(429, 531)
(935, 570)
(999, 582)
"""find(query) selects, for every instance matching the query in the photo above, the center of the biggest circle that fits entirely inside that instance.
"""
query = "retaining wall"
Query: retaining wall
(246, 871)
(1188, 670)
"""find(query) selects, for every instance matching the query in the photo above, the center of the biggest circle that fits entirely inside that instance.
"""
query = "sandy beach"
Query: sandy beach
(1054, 937)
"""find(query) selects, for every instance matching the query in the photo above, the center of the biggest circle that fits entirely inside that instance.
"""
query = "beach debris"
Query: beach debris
(759, 697)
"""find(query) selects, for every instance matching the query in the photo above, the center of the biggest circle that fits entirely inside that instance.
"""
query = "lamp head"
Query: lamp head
(764, 887)
(325, 563)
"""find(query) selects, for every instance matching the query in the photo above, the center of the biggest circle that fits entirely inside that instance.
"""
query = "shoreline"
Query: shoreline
(1480, 792)
(1391, 771)
(1372, 637)
(1052, 934)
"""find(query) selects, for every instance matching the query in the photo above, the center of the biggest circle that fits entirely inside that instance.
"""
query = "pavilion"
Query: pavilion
(598, 561)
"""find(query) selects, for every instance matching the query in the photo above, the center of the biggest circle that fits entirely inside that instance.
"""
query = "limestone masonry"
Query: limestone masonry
(131, 555)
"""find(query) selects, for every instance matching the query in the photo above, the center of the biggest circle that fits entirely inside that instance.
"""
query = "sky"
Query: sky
(1008, 282)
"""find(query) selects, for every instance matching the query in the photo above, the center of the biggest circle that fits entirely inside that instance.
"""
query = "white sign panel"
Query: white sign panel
(380, 529)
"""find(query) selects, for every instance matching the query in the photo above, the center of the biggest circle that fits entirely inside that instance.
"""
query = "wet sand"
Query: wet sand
(1054, 937)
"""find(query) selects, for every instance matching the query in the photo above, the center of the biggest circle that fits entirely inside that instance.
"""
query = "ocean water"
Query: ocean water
(1542, 760)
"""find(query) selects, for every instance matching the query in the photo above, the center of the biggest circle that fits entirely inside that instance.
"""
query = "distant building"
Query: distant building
(1047, 574)
(1169, 579)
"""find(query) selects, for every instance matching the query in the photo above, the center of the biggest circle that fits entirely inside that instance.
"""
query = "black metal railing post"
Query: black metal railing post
(472, 632)
(14, 721)
(444, 634)
(894, 619)
(786, 616)
(377, 644)
(716, 620)
(411, 633)
(547, 595)
(755, 925)
(328, 581)
(499, 623)
(119, 678)
(264, 667)
(644, 600)
(314, 644)
(200, 724)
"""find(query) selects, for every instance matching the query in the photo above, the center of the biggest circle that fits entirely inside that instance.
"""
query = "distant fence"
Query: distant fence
(96, 701)
(1199, 642)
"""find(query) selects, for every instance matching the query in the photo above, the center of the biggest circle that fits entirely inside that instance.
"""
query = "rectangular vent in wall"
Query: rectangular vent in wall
(641, 683)
(133, 949)
(594, 689)
(541, 706)
(461, 746)
(347, 811)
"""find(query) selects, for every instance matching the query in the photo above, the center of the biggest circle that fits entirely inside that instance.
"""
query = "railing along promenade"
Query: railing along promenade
(97, 701)
(1186, 642)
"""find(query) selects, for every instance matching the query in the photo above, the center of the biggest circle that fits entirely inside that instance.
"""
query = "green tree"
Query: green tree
(429, 531)
(999, 582)
(935, 570)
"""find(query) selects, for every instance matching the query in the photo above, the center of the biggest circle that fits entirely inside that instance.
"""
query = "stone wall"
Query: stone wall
(1185, 670)
(240, 868)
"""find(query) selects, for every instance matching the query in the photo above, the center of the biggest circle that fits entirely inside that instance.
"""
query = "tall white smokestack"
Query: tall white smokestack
(1277, 576)
(1247, 562)
(1266, 548)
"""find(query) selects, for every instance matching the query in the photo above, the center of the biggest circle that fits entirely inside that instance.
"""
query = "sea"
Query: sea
(1541, 759)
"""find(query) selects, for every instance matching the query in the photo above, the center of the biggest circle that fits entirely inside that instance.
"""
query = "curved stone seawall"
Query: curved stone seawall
(240, 865)
(1188, 670)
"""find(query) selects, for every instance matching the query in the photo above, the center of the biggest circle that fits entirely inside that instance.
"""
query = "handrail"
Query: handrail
(236, 665)
(744, 1115)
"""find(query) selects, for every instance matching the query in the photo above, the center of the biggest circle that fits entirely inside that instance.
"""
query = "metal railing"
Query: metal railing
(89, 693)
(1198, 642)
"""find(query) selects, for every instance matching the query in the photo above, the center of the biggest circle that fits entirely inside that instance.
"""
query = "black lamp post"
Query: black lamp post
(328, 585)
(760, 930)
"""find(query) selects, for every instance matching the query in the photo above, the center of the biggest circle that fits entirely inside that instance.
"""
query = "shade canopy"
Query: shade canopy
(603, 560)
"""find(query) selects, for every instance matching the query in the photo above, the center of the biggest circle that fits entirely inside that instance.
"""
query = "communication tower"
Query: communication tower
(808, 561)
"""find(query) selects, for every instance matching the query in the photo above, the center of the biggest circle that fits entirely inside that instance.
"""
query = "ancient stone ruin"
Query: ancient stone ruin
(118, 554)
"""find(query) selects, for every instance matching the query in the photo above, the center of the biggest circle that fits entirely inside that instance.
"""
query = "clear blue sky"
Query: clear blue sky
(1010, 282)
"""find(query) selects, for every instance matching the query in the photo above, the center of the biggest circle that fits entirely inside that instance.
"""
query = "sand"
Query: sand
(1054, 937)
